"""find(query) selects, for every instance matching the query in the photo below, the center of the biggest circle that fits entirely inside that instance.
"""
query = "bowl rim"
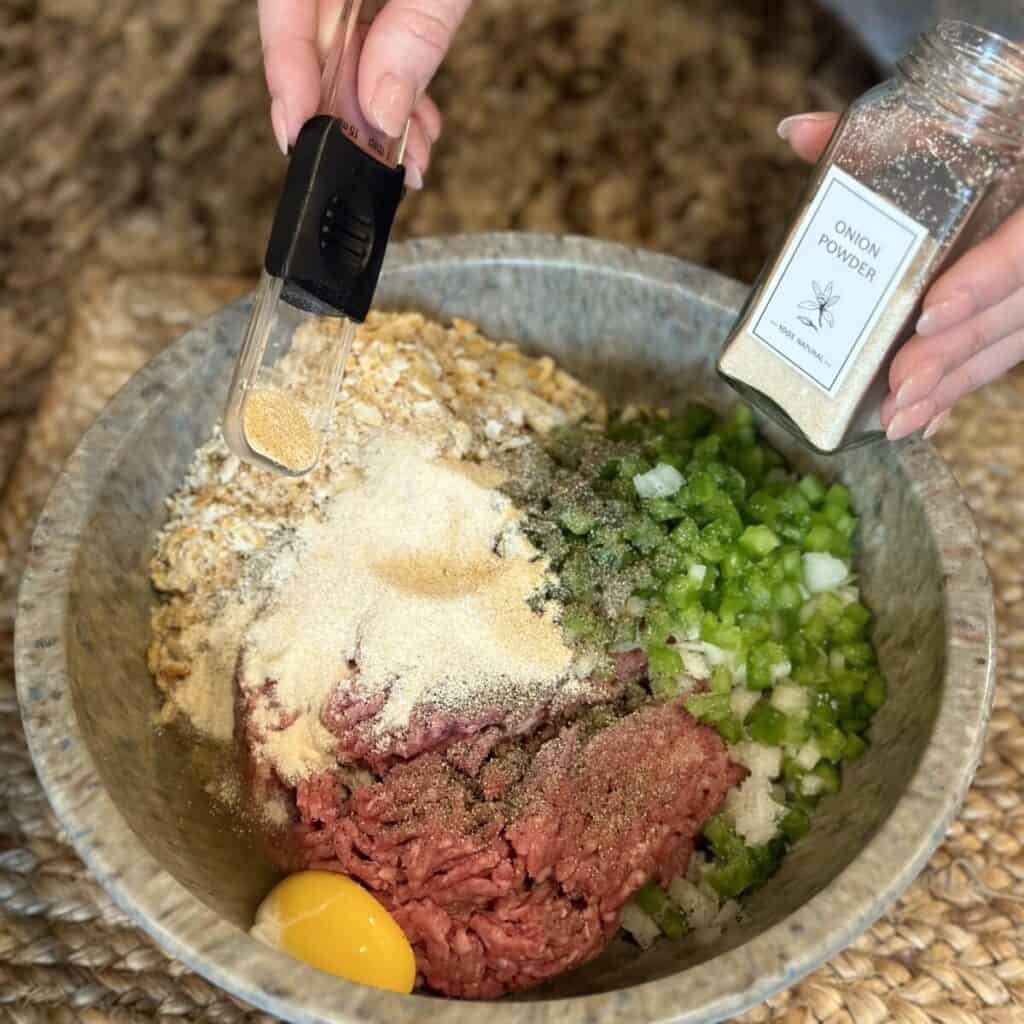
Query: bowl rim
(726, 985)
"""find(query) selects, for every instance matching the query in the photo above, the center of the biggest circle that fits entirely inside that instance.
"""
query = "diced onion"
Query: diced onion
(661, 482)
(642, 927)
(811, 785)
(808, 756)
(719, 655)
(753, 810)
(698, 902)
(761, 759)
(742, 700)
(791, 700)
(823, 572)
(695, 663)
(729, 914)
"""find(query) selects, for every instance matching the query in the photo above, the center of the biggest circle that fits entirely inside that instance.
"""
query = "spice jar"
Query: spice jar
(918, 168)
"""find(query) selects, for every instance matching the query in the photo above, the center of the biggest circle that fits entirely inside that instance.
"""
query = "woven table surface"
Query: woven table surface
(139, 149)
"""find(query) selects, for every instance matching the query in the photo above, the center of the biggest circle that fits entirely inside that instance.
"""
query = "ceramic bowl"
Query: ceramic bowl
(639, 326)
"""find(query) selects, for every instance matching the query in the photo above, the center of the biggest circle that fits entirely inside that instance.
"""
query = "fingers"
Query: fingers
(417, 154)
(426, 111)
(327, 23)
(984, 276)
(295, 33)
(424, 131)
(406, 43)
(917, 380)
(980, 369)
(289, 29)
(976, 322)
(953, 347)
(935, 424)
(808, 134)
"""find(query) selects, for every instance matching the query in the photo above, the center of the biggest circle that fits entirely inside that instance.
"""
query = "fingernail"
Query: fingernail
(330, 24)
(944, 315)
(907, 421)
(279, 122)
(413, 177)
(787, 124)
(391, 103)
(919, 384)
(888, 410)
(937, 422)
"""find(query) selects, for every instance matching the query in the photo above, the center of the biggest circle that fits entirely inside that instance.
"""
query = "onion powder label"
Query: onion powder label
(843, 263)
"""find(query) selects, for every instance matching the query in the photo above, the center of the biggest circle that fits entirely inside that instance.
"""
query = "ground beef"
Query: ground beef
(354, 722)
(630, 666)
(354, 718)
(507, 862)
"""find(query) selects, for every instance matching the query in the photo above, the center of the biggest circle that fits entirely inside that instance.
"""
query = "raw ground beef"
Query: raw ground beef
(353, 718)
(507, 861)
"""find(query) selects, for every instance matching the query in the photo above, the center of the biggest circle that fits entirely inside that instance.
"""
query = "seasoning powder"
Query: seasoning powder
(415, 590)
(396, 550)
(276, 428)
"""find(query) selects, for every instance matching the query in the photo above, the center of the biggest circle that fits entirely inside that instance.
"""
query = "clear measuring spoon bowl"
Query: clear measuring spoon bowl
(286, 382)
(325, 251)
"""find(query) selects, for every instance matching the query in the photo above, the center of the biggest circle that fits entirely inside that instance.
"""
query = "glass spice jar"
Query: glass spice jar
(918, 168)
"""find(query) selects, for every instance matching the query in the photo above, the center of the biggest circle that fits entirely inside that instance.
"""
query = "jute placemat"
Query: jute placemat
(951, 951)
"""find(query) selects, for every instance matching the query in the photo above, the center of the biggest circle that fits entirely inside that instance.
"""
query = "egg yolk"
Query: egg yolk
(330, 922)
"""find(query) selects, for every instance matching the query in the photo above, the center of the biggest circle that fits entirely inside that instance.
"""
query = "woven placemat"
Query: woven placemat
(951, 951)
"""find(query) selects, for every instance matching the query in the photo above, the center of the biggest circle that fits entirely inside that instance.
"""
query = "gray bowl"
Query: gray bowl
(639, 326)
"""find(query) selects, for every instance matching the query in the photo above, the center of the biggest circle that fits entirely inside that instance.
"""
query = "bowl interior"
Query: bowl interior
(636, 337)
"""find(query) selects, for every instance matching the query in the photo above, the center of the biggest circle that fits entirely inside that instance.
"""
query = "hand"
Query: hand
(971, 329)
(404, 47)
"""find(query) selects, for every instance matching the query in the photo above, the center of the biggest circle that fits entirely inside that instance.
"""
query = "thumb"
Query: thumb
(406, 43)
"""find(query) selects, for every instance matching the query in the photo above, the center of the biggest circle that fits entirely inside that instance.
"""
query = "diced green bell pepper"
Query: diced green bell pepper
(759, 540)
(654, 901)
(766, 663)
(812, 489)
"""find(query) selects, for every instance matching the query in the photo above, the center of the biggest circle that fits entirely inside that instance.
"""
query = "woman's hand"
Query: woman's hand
(971, 329)
(404, 47)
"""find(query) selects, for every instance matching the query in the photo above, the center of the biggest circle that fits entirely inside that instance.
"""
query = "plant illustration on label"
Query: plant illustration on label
(822, 304)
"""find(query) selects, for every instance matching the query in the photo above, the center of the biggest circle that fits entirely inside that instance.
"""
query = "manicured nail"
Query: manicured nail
(937, 422)
(944, 315)
(279, 122)
(432, 128)
(787, 124)
(413, 177)
(390, 104)
(888, 410)
(919, 384)
(908, 421)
